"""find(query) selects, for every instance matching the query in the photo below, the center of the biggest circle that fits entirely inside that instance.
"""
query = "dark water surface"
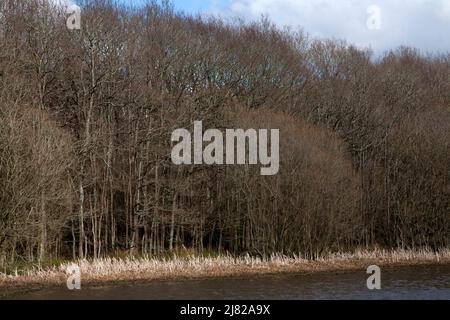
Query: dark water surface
(424, 282)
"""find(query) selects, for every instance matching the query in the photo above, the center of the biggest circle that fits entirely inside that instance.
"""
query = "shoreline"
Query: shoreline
(110, 272)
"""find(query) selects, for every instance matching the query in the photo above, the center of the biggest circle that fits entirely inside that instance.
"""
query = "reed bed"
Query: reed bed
(146, 268)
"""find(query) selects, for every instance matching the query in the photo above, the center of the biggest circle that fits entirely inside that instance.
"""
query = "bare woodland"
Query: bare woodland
(86, 117)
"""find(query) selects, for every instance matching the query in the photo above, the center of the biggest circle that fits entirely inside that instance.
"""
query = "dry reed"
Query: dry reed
(111, 270)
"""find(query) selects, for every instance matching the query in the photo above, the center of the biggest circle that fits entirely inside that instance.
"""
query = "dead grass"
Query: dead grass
(112, 270)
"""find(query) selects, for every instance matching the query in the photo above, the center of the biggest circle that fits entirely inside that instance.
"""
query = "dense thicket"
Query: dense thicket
(86, 118)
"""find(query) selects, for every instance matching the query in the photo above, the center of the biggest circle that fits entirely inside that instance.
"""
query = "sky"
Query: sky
(377, 24)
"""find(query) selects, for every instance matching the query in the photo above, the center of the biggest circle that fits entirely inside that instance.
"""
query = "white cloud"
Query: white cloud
(64, 3)
(68, 5)
(424, 24)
